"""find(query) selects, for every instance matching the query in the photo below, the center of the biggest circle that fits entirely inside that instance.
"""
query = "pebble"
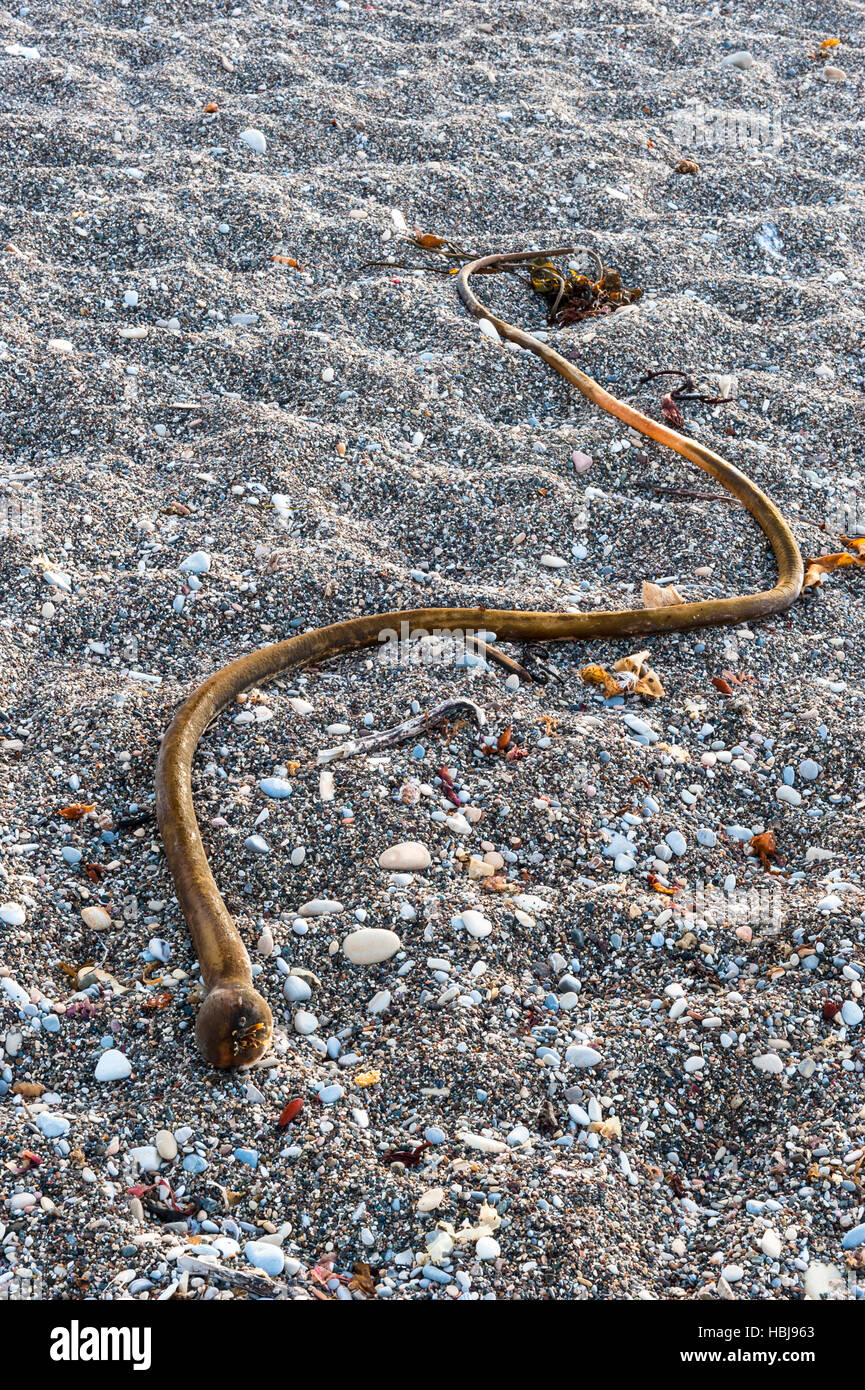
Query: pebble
(487, 1248)
(96, 918)
(740, 59)
(305, 1023)
(321, 907)
(14, 915)
(166, 1145)
(482, 1143)
(409, 857)
(431, 1199)
(789, 794)
(265, 1256)
(146, 1158)
(640, 727)
(22, 1201)
(196, 563)
(582, 1056)
(113, 1066)
(854, 1238)
(476, 924)
(769, 1062)
(52, 1126)
(677, 842)
(296, 990)
(255, 139)
(13, 991)
(276, 787)
(371, 945)
(771, 1244)
(329, 1095)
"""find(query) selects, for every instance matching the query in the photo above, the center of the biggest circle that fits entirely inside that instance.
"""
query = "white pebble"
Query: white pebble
(254, 139)
(113, 1066)
(409, 857)
(296, 990)
(582, 1057)
(321, 907)
(196, 563)
(371, 945)
(769, 1062)
(476, 924)
(96, 918)
(265, 1256)
(770, 1244)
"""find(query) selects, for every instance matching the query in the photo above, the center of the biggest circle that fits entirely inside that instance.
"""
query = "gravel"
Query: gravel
(225, 427)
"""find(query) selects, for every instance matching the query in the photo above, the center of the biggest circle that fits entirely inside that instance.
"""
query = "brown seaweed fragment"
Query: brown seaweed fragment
(572, 297)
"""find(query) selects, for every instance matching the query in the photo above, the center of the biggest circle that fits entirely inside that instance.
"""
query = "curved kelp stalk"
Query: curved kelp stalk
(234, 1024)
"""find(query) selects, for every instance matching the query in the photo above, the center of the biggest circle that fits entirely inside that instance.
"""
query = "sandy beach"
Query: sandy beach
(614, 1050)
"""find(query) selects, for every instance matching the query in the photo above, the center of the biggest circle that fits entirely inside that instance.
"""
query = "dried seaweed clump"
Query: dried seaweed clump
(572, 297)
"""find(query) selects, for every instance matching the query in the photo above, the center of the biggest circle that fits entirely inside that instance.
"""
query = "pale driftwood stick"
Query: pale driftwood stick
(410, 728)
(261, 1285)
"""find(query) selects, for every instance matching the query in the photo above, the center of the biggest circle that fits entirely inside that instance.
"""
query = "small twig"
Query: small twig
(544, 669)
(507, 662)
(687, 391)
(689, 492)
(401, 265)
(666, 371)
(410, 728)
